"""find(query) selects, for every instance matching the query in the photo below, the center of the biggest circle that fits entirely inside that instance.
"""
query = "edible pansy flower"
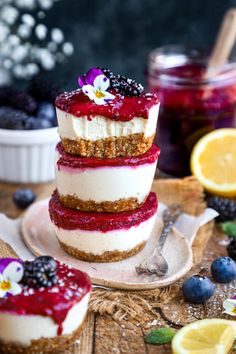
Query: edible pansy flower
(11, 273)
(94, 84)
(230, 306)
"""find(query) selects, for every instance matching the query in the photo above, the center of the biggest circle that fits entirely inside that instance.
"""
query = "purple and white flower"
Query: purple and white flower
(95, 84)
(230, 306)
(11, 273)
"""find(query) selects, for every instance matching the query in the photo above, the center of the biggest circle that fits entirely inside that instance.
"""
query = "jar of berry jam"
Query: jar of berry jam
(191, 104)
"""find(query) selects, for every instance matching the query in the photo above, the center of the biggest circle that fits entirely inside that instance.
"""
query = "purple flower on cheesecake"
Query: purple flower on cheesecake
(230, 306)
(95, 85)
(11, 273)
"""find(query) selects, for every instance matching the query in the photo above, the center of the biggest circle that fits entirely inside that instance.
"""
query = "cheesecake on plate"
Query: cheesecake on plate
(103, 237)
(104, 185)
(43, 305)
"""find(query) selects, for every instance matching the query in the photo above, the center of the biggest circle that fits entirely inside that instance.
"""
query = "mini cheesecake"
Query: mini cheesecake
(103, 237)
(44, 319)
(124, 126)
(104, 185)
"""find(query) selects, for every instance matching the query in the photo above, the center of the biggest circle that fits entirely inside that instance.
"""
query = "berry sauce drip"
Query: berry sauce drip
(74, 161)
(70, 219)
(122, 108)
(55, 301)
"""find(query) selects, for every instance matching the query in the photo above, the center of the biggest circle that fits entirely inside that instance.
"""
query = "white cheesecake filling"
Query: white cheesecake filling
(97, 242)
(98, 127)
(22, 329)
(105, 183)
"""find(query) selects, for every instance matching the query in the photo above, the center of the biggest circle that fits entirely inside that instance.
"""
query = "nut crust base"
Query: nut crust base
(126, 146)
(117, 206)
(113, 256)
(44, 345)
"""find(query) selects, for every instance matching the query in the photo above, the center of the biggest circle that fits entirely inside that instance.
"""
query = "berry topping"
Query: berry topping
(231, 249)
(225, 207)
(23, 197)
(40, 273)
(198, 289)
(223, 270)
(123, 85)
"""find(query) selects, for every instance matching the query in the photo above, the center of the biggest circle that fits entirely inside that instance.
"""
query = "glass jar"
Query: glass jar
(191, 105)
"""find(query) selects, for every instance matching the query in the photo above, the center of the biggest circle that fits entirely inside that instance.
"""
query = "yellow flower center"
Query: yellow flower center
(5, 285)
(99, 94)
(234, 310)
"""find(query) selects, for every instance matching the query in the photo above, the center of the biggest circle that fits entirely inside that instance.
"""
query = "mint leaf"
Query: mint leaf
(229, 228)
(160, 336)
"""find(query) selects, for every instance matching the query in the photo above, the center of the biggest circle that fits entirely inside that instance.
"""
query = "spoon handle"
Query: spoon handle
(165, 232)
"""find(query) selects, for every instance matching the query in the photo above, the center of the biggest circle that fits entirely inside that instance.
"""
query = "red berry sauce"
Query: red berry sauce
(73, 161)
(122, 108)
(71, 219)
(54, 302)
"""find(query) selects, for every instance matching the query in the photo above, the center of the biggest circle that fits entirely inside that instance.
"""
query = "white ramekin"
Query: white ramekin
(27, 156)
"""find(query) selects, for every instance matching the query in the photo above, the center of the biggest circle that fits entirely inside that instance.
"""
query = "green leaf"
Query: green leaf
(229, 228)
(160, 336)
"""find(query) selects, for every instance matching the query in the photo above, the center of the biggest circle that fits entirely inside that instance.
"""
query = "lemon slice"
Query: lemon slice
(213, 162)
(209, 336)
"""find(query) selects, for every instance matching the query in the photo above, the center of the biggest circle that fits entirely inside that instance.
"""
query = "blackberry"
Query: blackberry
(10, 96)
(43, 90)
(123, 85)
(40, 273)
(231, 249)
(107, 72)
(225, 207)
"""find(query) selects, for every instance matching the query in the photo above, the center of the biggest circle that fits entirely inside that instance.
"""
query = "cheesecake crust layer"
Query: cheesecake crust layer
(117, 206)
(130, 145)
(108, 256)
(44, 345)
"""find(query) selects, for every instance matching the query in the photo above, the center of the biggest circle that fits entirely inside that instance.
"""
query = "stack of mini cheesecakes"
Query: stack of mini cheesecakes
(103, 210)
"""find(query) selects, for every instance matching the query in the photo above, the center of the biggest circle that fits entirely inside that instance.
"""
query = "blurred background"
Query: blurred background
(115, 33)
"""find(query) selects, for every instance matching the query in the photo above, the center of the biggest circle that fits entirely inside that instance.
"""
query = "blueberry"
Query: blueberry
(47, 111)
(34, 123)
(198, 289)
(11, 118)
(223, 270)
(23, 197)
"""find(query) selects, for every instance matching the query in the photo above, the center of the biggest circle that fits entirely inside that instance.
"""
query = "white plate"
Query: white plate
(40, 238)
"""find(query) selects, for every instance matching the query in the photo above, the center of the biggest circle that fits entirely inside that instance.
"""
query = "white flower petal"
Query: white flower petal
(14, 271)
(229, 307)
(15, 288)
(2, 293)
(108, 96)
(101, 83)
(89, 91)
(1, 277)
(99, 101)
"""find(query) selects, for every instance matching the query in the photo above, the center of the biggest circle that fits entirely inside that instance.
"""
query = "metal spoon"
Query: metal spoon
(156, 263)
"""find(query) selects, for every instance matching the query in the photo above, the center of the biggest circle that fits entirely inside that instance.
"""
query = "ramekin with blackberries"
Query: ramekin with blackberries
(28, 132)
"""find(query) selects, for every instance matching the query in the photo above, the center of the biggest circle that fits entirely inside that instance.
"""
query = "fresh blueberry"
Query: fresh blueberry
(13, 119)
(198, 289)
(223, 270)
(23, 197)
(34, 123)
(47, 111)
